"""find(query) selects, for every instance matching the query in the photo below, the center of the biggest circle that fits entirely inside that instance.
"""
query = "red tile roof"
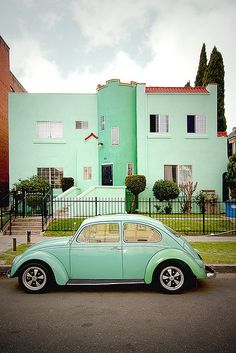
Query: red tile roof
(193, 90)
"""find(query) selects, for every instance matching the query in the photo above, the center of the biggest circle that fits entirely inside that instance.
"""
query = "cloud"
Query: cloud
(107, 23)
(50, 20)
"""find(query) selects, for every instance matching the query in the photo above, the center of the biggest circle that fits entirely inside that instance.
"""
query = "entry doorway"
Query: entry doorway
(107, 174)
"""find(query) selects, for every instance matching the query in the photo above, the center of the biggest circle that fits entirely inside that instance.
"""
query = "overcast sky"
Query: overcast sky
(73, 45)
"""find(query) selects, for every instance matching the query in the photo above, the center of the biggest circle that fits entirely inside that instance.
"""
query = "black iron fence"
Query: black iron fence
(186, 217)
(193, 217)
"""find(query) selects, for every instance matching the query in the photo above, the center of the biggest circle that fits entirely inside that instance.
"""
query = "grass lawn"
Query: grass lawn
(183, 224)
(9, 255)
(217, 252)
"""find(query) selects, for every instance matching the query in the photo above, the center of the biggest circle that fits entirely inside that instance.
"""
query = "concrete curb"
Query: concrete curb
(224, 268)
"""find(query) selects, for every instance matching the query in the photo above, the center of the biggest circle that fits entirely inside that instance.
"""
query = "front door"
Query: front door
(96, 254)
(107, 174)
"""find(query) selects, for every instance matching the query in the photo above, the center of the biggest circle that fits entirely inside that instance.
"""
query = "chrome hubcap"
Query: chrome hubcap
(34, 278)
(172, 278)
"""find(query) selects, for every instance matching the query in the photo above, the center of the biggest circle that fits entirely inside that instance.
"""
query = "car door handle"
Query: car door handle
(119, 248)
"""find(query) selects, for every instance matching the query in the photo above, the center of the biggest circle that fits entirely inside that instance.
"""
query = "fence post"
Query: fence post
(14, 244)
(203, 215)
(23, 202)
(42, 208)
(10, 220)
(149, 207)
(1, 219)
(96, 206)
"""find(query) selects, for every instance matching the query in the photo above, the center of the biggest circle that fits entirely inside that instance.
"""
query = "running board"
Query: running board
(101, 282)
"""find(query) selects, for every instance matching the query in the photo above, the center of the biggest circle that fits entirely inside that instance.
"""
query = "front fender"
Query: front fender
(59, 271)
(174, 254)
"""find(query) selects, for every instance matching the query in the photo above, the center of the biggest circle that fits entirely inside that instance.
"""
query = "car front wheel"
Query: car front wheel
(35, 278)
(172, 277)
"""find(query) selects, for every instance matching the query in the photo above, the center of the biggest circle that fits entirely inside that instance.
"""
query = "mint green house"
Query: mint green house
(98, 139)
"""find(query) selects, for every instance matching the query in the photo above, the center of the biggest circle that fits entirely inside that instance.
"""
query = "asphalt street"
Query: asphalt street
(119, 319)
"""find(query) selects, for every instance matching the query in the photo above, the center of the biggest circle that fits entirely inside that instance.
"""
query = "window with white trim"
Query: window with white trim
(102, 123)
(159, 123)
(196, 124)
(130, 169)
(49, 129)
(87, 173)
(52, 175)
(79, 125)
(115, 136)
(181, 174)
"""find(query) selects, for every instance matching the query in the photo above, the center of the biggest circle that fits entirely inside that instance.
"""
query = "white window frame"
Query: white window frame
(81, 125)
(161, 123)
(115, 136)
(87, 173)
(49, 129)
(50, 172)
(183, 173)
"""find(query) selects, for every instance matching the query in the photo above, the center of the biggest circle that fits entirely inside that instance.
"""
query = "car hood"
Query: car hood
(56, 242)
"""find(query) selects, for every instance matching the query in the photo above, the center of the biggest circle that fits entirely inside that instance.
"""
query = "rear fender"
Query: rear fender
(175, 255)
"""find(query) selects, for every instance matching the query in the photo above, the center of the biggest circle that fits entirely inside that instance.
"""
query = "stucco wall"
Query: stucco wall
(206, 153)
(71, 153)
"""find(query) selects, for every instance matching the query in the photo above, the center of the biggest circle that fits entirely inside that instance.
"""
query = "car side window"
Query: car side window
(100, 233)
(136, 232)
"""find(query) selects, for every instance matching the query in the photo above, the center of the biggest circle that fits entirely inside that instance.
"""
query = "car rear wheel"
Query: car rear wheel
(172, 277)
(35, 278)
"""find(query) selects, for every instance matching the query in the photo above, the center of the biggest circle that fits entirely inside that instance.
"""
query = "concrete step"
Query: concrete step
(22, 232)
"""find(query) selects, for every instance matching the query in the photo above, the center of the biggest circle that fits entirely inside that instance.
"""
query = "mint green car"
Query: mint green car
(114, 249)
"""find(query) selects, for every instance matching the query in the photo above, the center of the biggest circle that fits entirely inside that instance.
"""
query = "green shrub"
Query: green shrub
(165, 190)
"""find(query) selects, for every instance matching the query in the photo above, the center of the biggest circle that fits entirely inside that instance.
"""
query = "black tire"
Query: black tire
(35, 278)
(172, 277)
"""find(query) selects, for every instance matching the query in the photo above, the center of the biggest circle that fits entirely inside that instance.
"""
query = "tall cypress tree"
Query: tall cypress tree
(215, 73)
(201, 67)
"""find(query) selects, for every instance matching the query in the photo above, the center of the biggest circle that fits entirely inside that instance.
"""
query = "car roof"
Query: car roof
(124, 218)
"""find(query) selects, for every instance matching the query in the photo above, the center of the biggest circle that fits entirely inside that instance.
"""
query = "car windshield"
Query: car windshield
(172, 231)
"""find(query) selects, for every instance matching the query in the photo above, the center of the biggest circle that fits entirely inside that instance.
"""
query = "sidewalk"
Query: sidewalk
(6, 243)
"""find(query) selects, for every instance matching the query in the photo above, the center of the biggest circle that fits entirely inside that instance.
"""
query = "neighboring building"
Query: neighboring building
(162, 133)
(8, 83)
(232, 142)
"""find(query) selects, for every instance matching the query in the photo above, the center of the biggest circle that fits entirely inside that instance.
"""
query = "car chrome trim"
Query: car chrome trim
(8, 273)
(210, 272)
(101, 282)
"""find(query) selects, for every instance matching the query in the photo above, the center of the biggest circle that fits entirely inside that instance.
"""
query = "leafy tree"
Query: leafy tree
(136, 184)
(201, 67)
(231, 175)
(187, 84)
(32, 184)
(215, 73)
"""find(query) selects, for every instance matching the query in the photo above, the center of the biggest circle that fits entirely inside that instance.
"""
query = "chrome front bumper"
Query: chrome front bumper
(8, 273)
(210, 272)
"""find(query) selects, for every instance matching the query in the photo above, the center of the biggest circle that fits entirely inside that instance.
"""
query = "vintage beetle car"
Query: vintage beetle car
(114, 249)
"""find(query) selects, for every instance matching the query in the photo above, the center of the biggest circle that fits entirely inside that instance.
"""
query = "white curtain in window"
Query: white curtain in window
(43, 129)
(115, 136)
(163, 123)
(168, 175)
(56, 128)
(200, 124)
(184, 174)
